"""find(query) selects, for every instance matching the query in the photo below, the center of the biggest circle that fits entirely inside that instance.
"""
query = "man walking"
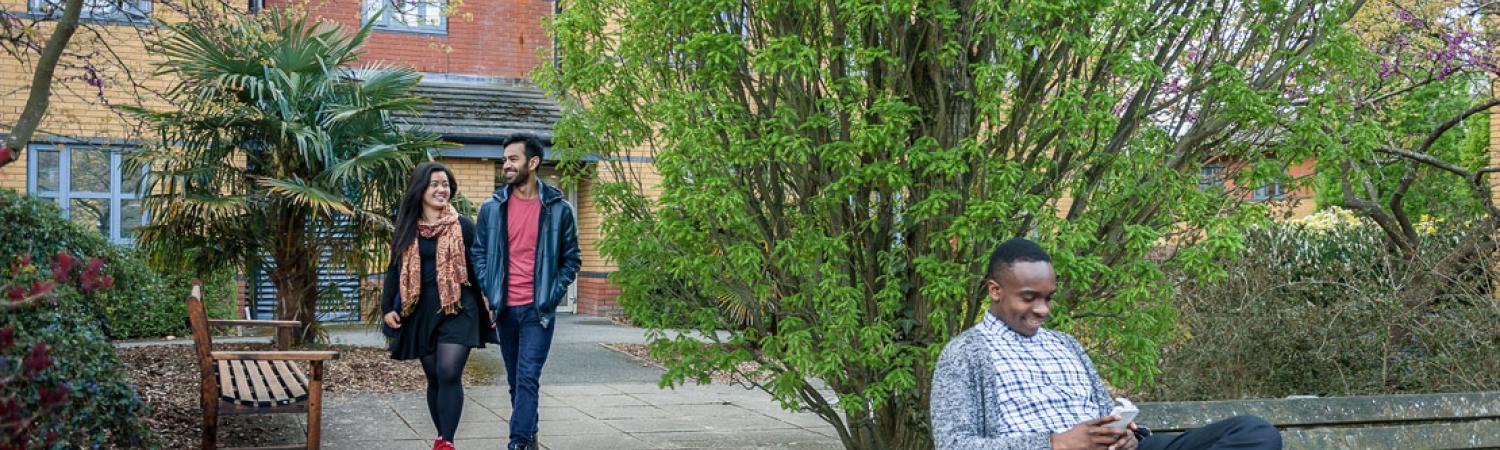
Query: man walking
(526, 255)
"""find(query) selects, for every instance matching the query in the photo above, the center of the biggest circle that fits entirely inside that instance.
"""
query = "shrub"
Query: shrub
(62, 387)
(1308, 308)
(143, 304)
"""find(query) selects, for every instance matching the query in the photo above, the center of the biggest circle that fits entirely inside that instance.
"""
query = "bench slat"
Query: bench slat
(1474, 434)
(274, 384)
(242, 386)
(295, 382)
(258, 384)
(226, 385)
(1313, 412)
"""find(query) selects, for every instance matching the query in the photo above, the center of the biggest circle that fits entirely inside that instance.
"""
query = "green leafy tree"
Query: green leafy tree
(1387, 122)
(838, 171)
(1431, 192)
(274, 147)
(1421, 63)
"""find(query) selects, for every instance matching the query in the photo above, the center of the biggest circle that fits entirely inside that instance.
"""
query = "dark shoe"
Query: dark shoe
(527, 444)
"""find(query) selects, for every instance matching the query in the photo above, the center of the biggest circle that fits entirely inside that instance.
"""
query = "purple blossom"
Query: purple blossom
(1387, 69)
(1447, 70)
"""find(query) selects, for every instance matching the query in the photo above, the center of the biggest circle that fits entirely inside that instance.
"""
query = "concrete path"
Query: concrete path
(597, 416)
(593, 398)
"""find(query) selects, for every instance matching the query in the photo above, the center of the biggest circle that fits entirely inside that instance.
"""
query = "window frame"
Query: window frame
(117, 193)
(119, 15)
(1210, 176)
(389, 24)
(1264, 192)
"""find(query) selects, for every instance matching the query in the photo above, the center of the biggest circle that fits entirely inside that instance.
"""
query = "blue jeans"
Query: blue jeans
(524, 344)
(1234, 433)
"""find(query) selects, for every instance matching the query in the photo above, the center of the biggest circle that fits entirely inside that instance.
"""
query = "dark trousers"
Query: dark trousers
(1236, 433)
(524, 344)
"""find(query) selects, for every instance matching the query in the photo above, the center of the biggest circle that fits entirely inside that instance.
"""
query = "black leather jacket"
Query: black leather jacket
(557, 258)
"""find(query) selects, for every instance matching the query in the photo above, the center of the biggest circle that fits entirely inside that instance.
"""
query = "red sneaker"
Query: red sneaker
(441, 444)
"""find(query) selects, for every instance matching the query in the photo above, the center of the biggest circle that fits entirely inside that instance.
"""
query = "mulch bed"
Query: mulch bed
(166, 377)
(642, 353)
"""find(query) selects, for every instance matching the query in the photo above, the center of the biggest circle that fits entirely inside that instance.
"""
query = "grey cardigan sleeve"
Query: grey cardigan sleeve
(958, 403)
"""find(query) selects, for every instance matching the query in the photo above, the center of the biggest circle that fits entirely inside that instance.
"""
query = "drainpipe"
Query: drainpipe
(556, 10)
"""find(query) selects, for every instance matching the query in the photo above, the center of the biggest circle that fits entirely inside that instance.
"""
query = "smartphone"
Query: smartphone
(1125, 410)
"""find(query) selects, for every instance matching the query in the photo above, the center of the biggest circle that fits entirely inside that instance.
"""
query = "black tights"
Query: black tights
(445, 388)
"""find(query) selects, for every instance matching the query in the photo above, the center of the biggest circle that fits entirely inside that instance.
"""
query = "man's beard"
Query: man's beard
(522, 177)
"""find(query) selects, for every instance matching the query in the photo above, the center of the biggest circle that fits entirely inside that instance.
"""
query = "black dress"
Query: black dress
(426, 327)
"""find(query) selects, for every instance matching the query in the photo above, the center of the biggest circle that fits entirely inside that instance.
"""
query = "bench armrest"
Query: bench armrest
(256, 323)
(276, 356)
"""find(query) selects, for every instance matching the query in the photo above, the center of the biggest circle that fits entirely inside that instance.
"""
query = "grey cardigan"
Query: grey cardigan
(966, 408)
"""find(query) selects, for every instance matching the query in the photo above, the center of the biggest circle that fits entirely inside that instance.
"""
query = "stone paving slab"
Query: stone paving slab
(621, 441)
(761, 439)
(593, 417)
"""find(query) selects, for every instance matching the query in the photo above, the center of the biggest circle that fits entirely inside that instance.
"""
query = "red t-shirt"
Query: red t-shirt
(521, 223)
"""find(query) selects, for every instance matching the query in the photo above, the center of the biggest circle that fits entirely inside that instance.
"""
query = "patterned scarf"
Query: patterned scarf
(451, 270)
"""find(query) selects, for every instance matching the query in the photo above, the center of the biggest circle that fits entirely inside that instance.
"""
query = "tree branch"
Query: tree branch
(1455, 120)
(27, 302)
(41, 80)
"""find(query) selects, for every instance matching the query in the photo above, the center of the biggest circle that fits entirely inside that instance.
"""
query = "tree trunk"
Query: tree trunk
(41, 83)
(295, 276)
(896, 426)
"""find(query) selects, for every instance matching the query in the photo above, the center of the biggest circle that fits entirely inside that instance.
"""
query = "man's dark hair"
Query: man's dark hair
(533, 145)
(1014, 251)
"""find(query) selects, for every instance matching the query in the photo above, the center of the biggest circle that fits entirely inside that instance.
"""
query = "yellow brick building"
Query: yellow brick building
(74, 157)
(478, 101)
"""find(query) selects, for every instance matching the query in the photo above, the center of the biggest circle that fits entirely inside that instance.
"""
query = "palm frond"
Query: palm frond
(298, 192)
(376, 157)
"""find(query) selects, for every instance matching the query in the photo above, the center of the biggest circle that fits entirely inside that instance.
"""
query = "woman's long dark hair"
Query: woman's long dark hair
(410, 210)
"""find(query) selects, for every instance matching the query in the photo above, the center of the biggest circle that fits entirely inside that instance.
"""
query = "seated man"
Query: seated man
(1008, 383)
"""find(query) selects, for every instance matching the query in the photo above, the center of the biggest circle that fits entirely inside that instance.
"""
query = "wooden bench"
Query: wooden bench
(235, 383)
(1428, 421)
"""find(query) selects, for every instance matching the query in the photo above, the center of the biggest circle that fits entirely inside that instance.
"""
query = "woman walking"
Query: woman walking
(431, 302)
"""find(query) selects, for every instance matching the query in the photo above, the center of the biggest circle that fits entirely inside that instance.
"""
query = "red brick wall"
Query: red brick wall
(596, 296)
(496, 38)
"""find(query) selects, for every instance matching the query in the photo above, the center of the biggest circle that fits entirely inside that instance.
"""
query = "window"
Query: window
(1210, 177)
(416, 16)
(133, 11)
(1269, 191)
(87, 182)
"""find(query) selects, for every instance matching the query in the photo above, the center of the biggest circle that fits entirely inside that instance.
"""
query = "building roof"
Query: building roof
(485, 112)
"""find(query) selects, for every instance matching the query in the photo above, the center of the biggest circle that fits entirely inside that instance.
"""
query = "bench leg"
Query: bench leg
(210, 403)
(315, 406)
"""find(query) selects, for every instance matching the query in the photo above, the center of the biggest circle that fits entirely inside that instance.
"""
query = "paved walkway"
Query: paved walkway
(593, 398)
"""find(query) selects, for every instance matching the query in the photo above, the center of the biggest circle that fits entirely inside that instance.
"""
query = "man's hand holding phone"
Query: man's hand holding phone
(1091, 435)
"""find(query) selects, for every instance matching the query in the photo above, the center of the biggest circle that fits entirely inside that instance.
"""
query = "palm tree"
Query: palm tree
(273, 147)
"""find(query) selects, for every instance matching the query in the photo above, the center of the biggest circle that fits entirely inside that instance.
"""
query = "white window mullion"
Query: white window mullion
(65, 180)
(114, 197)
